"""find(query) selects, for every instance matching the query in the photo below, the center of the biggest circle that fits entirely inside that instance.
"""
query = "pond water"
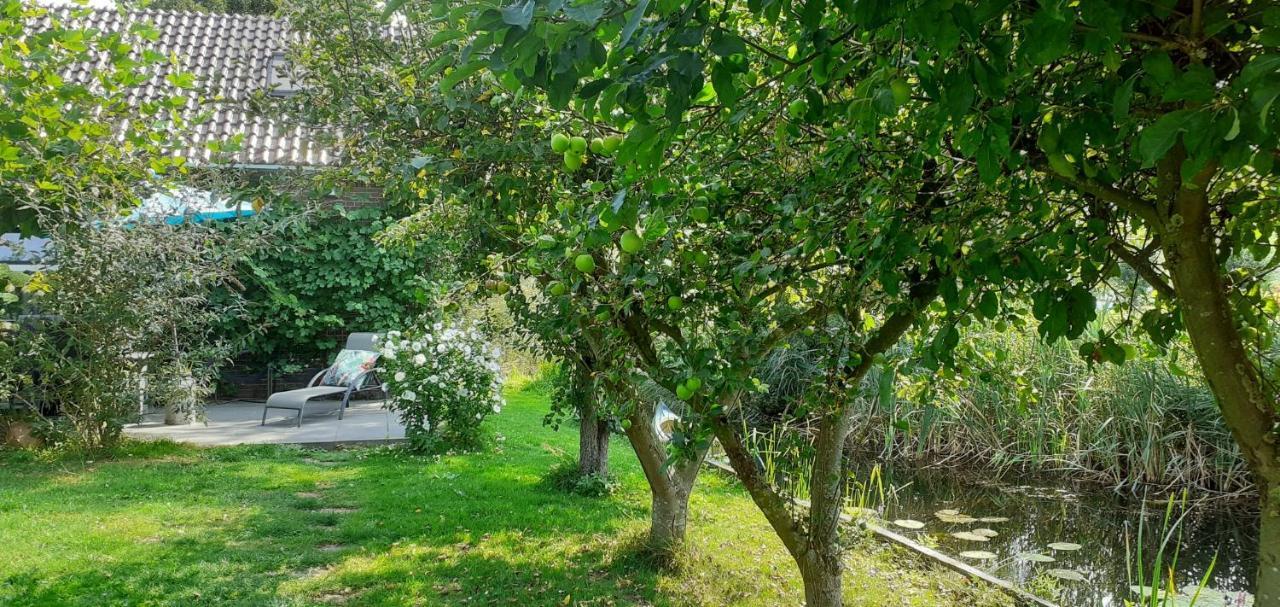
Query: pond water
(1029, 518)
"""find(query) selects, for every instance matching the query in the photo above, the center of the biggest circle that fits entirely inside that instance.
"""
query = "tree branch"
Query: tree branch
(1127, 201)
(1144, 268)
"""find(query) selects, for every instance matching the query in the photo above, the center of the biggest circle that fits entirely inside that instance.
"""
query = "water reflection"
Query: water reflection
(1039, 515)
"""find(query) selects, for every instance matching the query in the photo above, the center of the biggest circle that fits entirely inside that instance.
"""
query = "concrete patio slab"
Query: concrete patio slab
(237, 423)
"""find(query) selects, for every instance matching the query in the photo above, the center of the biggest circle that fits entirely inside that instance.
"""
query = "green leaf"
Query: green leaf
(459, 74)
(1234, 130)
(588, 14)
(444, 36)
(1155, 140)
(722, 81)
(811, 14)
(725, 43)
(633, 22)
(1258, 67)
(1120, 102)
(518, 15)
(391, 8)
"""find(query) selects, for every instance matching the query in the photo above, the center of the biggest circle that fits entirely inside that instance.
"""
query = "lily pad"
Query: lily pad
(984, 532)
(1036, 557)
(907, 523)
(970, 536)
(1207, 597)
(994, 519)
(979, 555)
(957, 519)
(948, 512)
(1071, 575)
(1065, 546)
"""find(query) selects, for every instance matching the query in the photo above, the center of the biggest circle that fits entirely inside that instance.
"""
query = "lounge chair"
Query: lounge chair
(352, 368)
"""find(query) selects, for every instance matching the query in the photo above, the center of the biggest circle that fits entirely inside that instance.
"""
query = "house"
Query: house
(238, 62)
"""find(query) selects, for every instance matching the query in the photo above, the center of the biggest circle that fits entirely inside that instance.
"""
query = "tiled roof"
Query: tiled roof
(230, 56)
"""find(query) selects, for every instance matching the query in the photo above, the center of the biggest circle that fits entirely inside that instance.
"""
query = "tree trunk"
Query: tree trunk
(593, 439)
(822, 580)
(669, 520)
(670, 484)
(1189, 241)
(1269, 546)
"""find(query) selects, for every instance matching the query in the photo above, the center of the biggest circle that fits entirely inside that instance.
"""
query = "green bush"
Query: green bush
(565, 477)
(329, 278)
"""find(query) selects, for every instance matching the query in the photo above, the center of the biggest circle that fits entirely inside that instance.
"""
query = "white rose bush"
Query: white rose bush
(443, 380)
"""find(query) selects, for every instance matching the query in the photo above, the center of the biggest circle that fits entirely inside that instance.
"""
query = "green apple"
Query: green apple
(797, 109)
(693, 383)
(578, 144)
(585, 263)
(559, 143)
(631, 242)
(901, 91)
(557, 288)
(674, 302)
(683, 393)
(572, 160)
(597, 146)
(1061, 165)
(611, 143)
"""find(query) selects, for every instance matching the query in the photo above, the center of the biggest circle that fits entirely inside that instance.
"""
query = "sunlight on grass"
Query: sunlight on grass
(273, 525)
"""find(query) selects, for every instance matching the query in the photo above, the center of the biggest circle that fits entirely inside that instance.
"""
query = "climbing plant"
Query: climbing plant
(327, 276)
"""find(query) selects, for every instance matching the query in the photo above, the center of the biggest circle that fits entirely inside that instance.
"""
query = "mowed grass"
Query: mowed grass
(162, 524)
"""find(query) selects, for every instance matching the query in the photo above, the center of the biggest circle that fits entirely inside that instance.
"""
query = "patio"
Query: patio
(238, 423)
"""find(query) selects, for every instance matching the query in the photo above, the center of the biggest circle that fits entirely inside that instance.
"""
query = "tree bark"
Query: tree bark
(670, 485)
(1189, 241)
(669, 520)
(593, 444)
(1269, 546)
(593, 431)
(822, 575)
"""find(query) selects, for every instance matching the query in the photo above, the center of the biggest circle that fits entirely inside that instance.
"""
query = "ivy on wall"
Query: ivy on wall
(328, 277)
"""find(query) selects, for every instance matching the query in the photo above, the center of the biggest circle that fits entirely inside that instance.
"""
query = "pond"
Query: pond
(1012, 521)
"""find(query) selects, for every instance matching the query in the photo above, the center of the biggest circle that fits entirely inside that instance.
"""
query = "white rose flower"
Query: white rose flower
(400, 376)
(409, 395)
(419, 359)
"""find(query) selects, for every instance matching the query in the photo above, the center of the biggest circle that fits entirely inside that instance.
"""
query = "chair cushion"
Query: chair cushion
(347, 366)
(295, 398)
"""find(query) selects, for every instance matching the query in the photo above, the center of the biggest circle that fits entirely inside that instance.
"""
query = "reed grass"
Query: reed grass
(1024, 405)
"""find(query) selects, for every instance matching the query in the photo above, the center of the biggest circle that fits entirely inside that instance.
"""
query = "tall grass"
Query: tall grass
(1154, 582)
(1029, 404)
(1026, 405)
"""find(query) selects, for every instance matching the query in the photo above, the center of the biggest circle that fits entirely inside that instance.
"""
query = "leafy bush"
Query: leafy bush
(329, 278)
(444, 381)
(127, 302)
(565, 476)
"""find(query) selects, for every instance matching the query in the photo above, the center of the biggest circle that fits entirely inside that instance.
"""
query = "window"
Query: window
(280, 76)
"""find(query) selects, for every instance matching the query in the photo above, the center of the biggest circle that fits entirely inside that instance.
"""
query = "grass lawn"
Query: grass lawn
(162, 524)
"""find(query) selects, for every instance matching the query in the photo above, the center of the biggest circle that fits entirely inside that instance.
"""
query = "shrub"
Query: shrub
(127, 301)
(565, 476)
(299, 289)
(443, 381)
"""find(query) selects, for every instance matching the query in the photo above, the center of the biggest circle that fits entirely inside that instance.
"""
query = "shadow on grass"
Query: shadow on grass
(284, 526)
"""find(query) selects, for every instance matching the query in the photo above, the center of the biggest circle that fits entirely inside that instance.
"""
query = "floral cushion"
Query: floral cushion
(347, 366)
